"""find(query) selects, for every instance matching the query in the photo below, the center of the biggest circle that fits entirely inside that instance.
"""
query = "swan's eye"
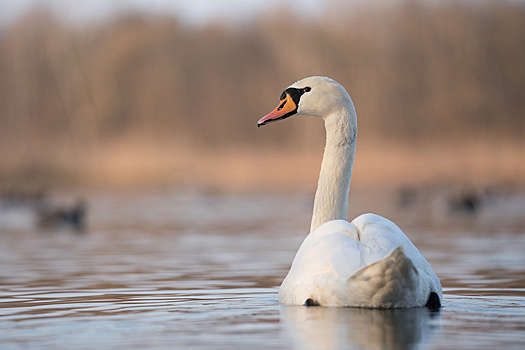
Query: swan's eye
(307, 89)
(283, 96)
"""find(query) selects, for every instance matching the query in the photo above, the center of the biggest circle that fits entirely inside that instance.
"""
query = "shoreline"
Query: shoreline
(130, 166)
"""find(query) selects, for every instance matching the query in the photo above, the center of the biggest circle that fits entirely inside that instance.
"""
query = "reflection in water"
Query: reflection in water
(341, 328)
(201, 272)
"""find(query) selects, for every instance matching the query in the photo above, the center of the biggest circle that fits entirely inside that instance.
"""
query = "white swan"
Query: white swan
(368, 262)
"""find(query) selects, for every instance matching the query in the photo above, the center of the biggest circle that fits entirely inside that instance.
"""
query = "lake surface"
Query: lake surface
(199, 271)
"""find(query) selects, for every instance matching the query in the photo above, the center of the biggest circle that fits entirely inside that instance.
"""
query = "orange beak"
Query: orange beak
(285, 109)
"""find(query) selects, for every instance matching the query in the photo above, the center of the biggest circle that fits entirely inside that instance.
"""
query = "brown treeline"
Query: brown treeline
(97, 98)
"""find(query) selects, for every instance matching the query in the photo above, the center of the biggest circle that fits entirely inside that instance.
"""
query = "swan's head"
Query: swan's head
(313, 96)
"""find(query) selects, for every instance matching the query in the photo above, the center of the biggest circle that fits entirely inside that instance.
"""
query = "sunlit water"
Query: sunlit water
(203, 271)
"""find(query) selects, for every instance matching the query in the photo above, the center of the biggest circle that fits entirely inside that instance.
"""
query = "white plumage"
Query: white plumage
(368, 262)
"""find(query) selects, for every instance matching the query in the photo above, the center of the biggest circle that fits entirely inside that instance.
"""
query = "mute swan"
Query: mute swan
(368, 262)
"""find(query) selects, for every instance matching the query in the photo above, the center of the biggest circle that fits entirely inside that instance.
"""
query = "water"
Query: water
(202, 272)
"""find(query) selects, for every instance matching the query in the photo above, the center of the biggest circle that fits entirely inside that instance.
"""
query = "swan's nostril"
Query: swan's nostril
(281, 106)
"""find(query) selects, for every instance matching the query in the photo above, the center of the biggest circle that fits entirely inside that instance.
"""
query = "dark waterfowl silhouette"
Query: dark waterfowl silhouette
(73, 216)
(467, 201)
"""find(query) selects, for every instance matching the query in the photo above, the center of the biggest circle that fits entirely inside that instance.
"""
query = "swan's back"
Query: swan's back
(368, 262)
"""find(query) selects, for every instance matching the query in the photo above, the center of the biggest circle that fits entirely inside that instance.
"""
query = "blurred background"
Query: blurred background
(140, 202)
(138, 94)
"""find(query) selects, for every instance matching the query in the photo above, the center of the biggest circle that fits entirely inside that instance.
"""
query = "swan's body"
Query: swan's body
(368, 262)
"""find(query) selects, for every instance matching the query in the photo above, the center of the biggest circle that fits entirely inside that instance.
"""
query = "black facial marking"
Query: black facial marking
(295, 95)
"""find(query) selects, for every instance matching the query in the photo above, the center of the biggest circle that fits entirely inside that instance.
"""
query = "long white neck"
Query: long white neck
(331, 197)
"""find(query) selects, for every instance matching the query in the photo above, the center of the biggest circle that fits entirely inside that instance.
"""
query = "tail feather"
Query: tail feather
(390, 282)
